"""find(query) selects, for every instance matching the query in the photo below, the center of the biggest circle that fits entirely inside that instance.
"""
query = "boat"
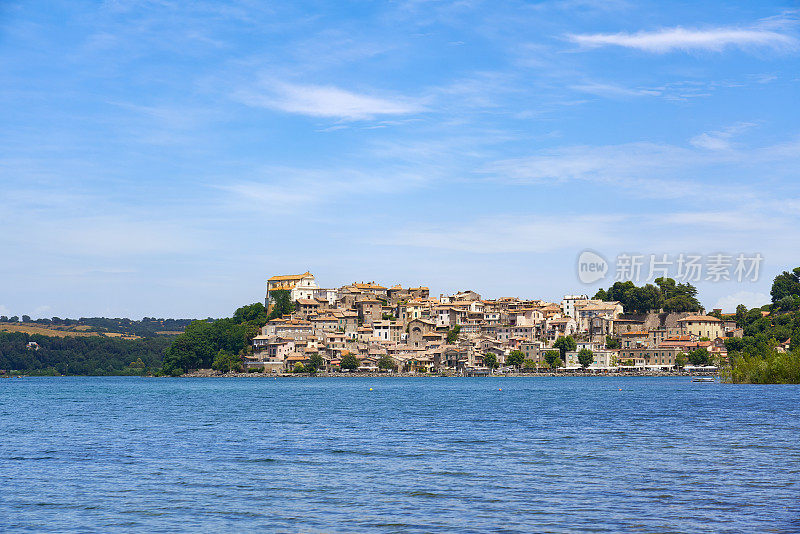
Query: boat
(703, 379)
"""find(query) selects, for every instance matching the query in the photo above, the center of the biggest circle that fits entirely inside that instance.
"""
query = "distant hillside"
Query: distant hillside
(60, 331)
(95, 326)
(76, 354)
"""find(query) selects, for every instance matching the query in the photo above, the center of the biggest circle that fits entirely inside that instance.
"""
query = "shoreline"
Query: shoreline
(205, 373)
(208, 373)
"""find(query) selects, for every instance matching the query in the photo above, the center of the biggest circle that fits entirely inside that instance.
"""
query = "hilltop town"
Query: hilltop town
(365, 326)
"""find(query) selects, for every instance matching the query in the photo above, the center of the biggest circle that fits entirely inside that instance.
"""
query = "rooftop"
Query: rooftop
(700, 318)
(286, 277)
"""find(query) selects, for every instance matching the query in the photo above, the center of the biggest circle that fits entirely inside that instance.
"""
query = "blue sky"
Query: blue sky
(164, 158)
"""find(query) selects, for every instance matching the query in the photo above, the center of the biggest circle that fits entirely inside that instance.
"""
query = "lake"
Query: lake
(411, 455)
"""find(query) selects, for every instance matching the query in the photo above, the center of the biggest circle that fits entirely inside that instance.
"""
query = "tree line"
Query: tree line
(665, 295)
(755, 358)
(224, 341)
(84, 355)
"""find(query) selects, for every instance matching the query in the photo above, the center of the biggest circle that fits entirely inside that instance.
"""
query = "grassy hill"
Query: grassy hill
(63, 331)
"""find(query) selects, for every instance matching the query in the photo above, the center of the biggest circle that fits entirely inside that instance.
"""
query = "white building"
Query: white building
(300, 286)
(568, 304)
(601, 359)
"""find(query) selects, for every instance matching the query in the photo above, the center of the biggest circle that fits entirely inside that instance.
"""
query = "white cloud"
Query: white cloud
(285, 190)
(711, 141)
(326, 101)
(635, 165)
(748, 298)
(719, 140)
(671, 39)
(659, 170)
(613, 91)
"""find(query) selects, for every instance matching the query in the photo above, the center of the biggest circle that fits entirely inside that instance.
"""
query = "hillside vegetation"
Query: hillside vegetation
(80, 355)
(761, 355)
(146, 327)
(203, 342)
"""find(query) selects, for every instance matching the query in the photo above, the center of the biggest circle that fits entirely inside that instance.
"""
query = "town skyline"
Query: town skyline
(367, 327)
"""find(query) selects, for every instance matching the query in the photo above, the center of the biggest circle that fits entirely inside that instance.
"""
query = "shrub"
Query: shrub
(772, 368)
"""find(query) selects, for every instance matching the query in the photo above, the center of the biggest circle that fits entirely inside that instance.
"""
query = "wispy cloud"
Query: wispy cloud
(720, 140)
(326, 101)
(286, 190)
(626, 163)
(658, 170)
(672, 39)
(613, 90)
(506, 234)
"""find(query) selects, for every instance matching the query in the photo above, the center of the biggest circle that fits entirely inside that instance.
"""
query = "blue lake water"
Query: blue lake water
(412, 455)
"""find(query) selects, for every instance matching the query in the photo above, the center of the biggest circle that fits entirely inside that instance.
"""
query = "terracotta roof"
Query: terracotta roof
(368, 285)
(704, 318)
(289, 277)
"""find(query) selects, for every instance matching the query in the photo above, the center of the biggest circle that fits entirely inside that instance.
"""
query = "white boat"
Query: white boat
(703, 379)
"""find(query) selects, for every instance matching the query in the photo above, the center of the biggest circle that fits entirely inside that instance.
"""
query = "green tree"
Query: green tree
(386, 362)
(193, 349)
(452, 334)
(788, 303)
(202, 340)
(516, 358)
(564, 345)
(350, 362)
(786, 284)
(680, 360)
(741, 312)
(665, 294)
(551, 356)
(771, 367)
(698, 357)
(529, 364)
(490, 360)
(281, 303)
(601, 295)
(225, 362)
(678, 297)
(315, 363)
(585, 358)
(255, 313)
(612, 342)
(647, 298)
(299, 368)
